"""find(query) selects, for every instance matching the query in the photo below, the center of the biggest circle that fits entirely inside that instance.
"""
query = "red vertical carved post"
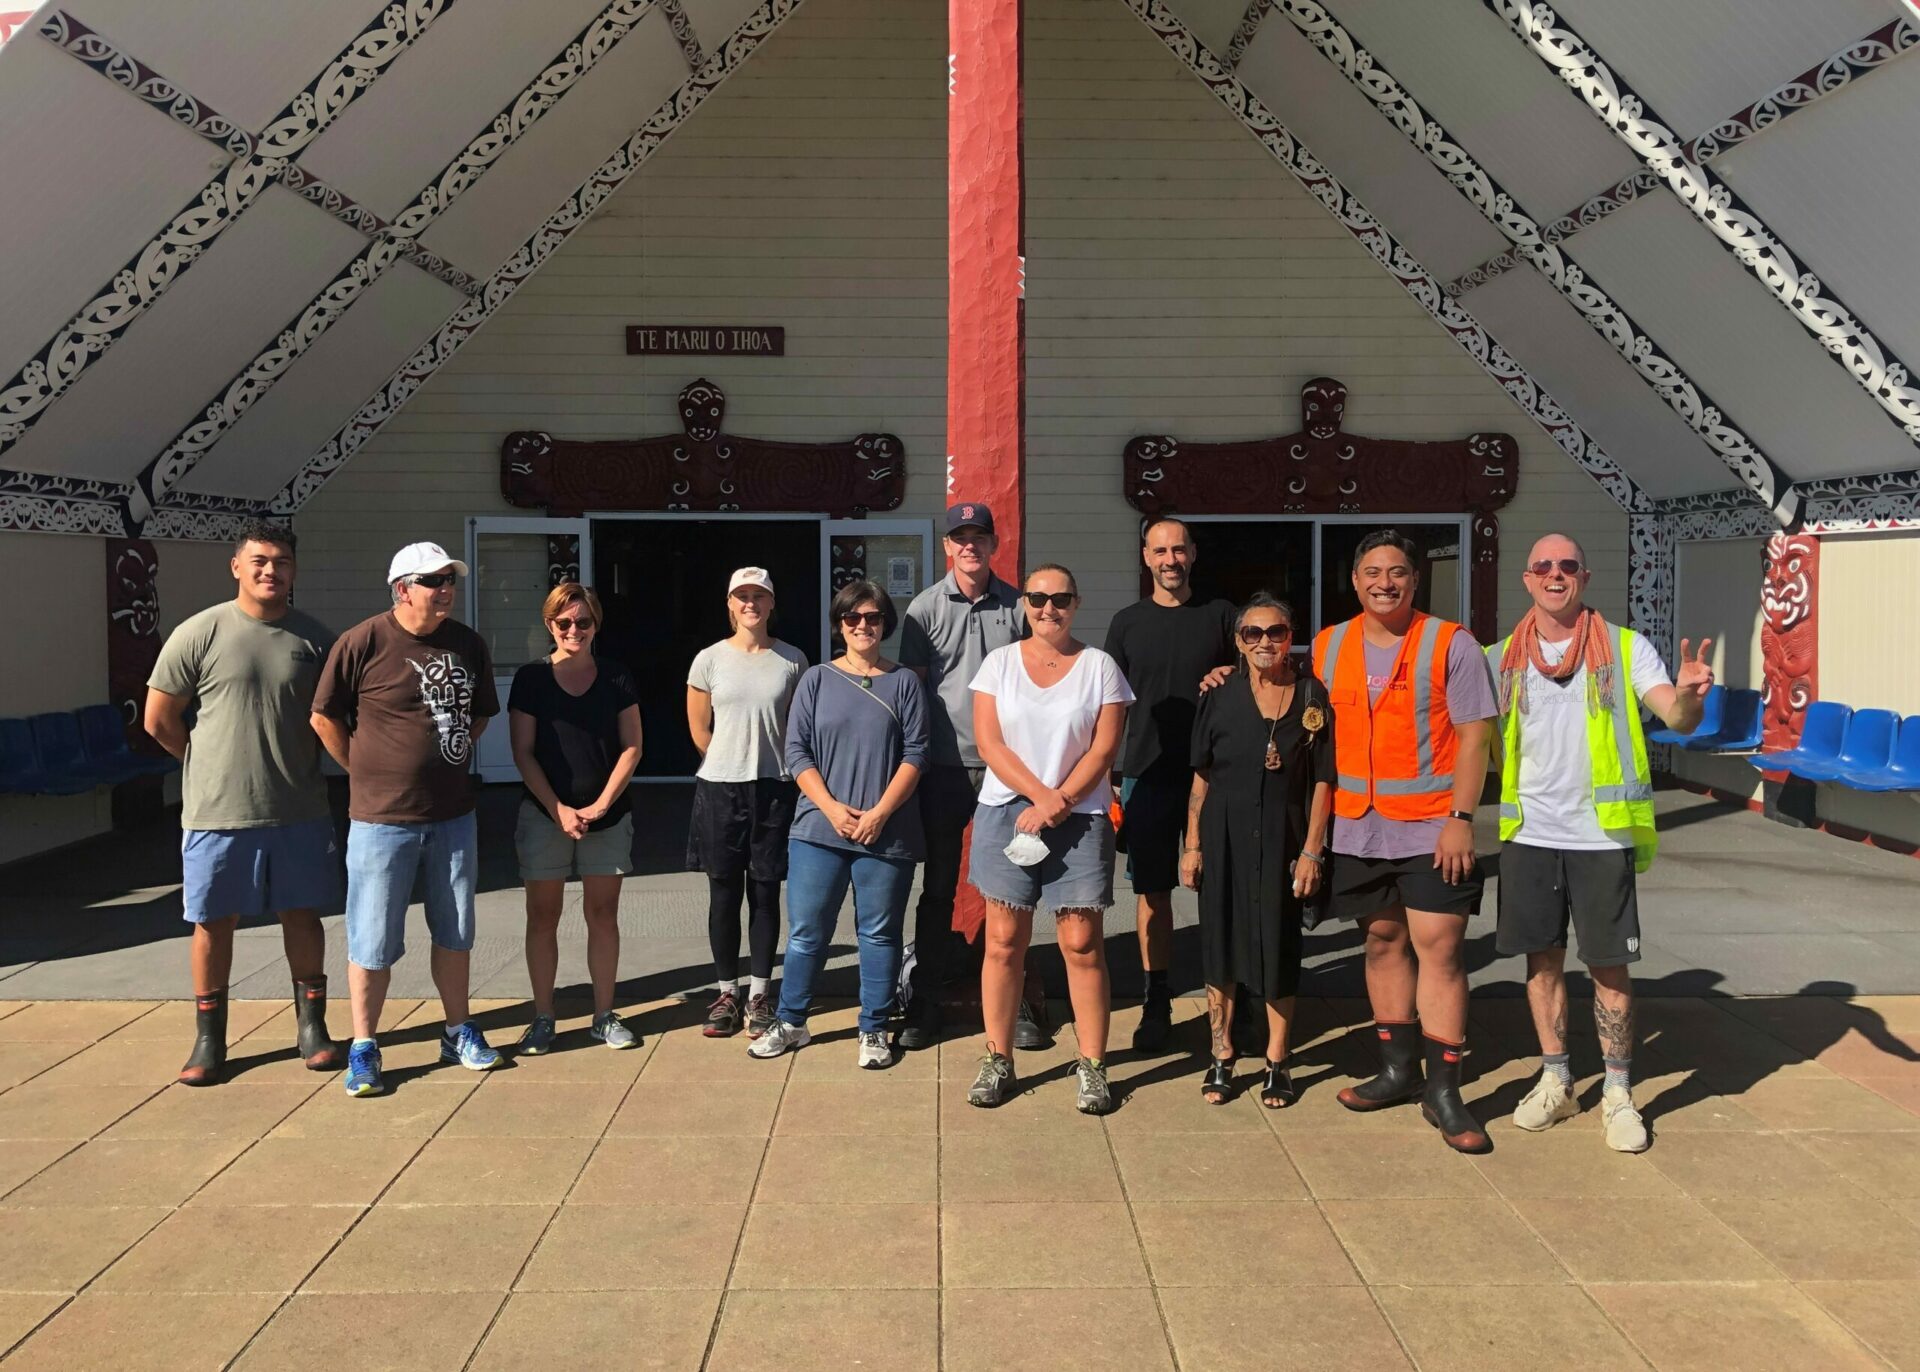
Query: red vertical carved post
(986, 227)
(1789, 637)
(986, 289)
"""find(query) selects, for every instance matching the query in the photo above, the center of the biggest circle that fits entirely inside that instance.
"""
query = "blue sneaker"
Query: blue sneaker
(468, 1047)
(363, 1070)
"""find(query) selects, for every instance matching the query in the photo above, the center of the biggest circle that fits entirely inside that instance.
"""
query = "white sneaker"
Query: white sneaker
(783, 1037)
(1626, 1131)
(1545, 1105)
(875, 1051)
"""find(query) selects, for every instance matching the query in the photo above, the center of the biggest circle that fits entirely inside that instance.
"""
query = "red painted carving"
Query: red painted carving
(133, 632)
(703, 468)
(1789, 637)
(1322, 469)
(986, 226)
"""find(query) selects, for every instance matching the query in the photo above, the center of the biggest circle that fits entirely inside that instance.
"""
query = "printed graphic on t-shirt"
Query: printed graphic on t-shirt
(446, 688)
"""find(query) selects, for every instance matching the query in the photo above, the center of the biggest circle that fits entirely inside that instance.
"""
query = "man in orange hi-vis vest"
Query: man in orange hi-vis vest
(1412, 721)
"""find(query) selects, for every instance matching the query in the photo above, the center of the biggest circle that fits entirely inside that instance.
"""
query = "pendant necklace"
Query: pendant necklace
(1273, 761)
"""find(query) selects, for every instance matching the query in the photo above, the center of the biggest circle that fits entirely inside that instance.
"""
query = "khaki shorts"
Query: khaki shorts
(547, 854)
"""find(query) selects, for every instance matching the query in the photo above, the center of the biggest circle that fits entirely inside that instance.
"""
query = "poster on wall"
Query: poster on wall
(900, 577)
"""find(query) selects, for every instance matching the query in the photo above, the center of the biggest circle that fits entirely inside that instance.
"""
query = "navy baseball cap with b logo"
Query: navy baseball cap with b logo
(969, 514)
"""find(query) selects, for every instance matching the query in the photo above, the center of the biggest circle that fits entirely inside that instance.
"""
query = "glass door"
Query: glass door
(513, 562)
(895, 553)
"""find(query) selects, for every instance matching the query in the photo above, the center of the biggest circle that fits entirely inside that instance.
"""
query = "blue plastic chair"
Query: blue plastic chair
(106, 744)
(1903, 773)
(1821, 734)
(1711, 713)
(1740, 726)
(56, 736)
(20, 769)
(1868, 747)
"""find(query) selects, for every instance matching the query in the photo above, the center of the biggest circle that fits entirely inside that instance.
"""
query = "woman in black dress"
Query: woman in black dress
(1256, 836)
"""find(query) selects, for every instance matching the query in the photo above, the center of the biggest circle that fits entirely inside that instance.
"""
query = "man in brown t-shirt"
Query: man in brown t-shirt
(402, 700)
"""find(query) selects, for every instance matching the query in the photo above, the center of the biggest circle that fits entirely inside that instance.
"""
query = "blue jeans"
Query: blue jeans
(817, 881)
(382, 862)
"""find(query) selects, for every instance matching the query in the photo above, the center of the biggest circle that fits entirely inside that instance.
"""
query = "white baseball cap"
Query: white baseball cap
(421, 557)
(751, 576)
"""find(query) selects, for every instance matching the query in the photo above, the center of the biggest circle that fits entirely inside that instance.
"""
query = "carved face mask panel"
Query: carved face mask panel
(702, 407)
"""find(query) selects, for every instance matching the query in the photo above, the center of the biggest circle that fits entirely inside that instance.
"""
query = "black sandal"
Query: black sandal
(1218, 1080)
(1278, 1091)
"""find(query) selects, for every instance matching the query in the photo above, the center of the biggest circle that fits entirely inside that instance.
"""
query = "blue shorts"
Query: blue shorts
(1076, 873)
(250, 872)
(382, 862)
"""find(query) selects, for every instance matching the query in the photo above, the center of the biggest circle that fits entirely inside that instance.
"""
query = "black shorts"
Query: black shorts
(741, 826)
(1153, 827)
(1543, 890)
(1360, 887)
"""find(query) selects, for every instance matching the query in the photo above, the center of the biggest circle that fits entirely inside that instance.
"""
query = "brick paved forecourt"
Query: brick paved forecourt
(684, 1206)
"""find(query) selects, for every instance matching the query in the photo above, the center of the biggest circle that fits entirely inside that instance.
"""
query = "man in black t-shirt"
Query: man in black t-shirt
(1165, 645)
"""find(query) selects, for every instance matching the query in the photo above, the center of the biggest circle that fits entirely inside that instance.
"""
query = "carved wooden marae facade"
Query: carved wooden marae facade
(703, 468)
(1323, 470)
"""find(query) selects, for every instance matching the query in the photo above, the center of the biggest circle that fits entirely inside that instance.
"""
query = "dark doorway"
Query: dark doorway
(1438, 562)
(663, 585)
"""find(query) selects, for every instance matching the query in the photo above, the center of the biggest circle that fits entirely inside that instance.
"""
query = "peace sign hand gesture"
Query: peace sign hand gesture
(1696, 673)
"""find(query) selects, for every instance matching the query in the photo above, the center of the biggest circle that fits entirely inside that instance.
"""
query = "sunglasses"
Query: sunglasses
(564, 625)
(433, 581)
(873, 619)
(1060, 600)
(1251, 634)
(1569, 566)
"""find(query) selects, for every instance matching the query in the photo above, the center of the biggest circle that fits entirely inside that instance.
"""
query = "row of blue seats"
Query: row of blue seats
(1729, 723)
(61, 754)
(1867, 750)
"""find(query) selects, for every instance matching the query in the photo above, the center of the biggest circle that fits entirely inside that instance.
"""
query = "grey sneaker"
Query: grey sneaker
(875, 1051)
(783, 1037)
(537, 1039)
(1626, 1131)
(1095, 1097)
(995, 1082)
(611, 1030)
(760, 1016)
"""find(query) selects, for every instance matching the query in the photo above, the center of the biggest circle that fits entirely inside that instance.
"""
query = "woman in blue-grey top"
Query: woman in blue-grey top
(856, 742)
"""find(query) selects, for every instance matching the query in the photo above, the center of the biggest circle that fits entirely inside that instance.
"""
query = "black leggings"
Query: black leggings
(723, 924)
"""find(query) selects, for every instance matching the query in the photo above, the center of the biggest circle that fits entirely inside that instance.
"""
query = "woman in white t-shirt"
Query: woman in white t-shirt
(1047, 716)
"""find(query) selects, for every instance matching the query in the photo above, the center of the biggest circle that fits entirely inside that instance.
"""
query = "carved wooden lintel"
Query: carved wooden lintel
(1322, 469)
(703, 468)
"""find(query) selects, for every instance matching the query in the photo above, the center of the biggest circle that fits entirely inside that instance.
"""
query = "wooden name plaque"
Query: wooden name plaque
(705, 340)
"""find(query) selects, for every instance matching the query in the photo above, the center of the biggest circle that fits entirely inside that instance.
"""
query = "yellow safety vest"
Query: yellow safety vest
(1616, 748)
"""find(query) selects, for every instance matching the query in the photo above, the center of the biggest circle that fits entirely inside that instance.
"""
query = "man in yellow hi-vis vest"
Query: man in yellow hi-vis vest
(1576, 817)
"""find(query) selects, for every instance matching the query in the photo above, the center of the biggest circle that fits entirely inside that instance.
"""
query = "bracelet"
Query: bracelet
(1190, 848)
(1318, 859)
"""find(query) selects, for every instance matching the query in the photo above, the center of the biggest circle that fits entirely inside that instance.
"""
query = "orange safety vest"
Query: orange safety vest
(1395, 756)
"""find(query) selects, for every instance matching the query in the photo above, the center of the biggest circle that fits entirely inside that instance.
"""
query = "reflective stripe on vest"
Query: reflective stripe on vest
(1616, 752)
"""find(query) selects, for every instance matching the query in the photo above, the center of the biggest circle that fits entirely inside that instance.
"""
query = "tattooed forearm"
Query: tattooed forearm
(1615, 1027)
(1196, 799)
(1219, 1022)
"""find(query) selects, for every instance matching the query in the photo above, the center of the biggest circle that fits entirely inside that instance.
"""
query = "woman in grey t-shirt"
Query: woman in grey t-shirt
(738, 691)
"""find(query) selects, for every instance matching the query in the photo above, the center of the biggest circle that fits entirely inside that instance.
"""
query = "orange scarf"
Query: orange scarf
(1591, 647)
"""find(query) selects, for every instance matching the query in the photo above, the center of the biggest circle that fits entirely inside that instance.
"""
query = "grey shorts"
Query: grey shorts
(1076, 873)
(1543, 891)
(547, 854)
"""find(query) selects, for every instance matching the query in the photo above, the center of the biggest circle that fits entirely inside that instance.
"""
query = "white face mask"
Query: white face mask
(1026, 849)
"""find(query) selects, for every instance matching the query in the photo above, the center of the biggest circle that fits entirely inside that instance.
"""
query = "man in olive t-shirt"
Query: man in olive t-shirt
(402, 700)
(257, 834)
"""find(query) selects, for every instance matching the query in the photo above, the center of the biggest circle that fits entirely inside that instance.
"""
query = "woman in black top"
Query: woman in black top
(576, 740)
(1256, 836)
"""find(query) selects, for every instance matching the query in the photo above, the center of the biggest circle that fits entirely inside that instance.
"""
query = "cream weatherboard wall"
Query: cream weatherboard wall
(1178, 281)
(55, 658)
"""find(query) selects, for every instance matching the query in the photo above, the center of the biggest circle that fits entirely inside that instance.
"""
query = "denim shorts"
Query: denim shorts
(1076, 873)
(382, 862)
(547, 854)
(250, 872)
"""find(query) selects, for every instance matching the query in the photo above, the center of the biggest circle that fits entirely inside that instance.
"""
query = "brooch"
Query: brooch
(1313, 719)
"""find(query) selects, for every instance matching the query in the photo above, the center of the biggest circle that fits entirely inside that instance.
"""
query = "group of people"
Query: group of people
(1282, 788)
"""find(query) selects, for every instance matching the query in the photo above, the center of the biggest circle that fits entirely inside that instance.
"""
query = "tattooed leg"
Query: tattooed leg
(1613, 1021)
(1547, 998)
(1220, 1028)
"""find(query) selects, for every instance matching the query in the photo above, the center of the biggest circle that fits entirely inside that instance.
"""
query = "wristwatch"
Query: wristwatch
(1467, 815)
